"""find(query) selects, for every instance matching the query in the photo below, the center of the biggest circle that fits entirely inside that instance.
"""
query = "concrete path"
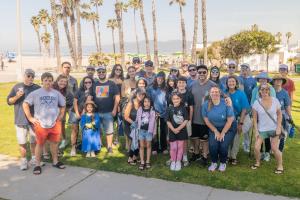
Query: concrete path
(83, 183)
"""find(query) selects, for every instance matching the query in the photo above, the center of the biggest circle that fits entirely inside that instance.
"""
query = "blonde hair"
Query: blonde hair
(210, 103)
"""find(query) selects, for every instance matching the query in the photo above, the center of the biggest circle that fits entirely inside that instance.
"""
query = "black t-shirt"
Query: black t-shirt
(81, 96)
(20, 118)
(104, 94)
(177, 115)
(187, 100)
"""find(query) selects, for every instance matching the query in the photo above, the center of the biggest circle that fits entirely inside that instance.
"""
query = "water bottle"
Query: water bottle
(292, 132)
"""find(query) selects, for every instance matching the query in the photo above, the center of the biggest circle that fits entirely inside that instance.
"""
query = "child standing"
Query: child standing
(146, 124)
(90, 126)
(177, 119)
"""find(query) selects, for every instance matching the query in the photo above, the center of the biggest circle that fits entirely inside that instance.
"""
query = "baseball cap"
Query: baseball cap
(136, 60)
(29, 72)
(101, 68)
(231, 62)
(90, 67)
(245, 65)
(283, 66)
(161, 74)
(148, 63)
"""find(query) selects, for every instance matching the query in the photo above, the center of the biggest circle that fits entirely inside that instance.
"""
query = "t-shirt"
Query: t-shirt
(150, 79)
(145, 118)
(223, 81)
(73, 85)
(190, 82)
(46, 105)
(265, 123)
(81, 96)
(239, 102)
(199, 92)
(283, 98)
(104, 94)
(249, 84)
(20, 118)
(159, 99)
(218, 114)
(187, 100)
(289, 86)
(176, 116)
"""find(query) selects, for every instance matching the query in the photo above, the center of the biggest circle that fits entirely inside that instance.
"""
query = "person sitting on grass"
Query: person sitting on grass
(90, 127)
(267, 119)
(49, 108)
(146, 126)
(177, 119)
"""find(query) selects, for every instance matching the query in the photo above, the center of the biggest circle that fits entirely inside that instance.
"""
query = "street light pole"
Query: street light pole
(19, 69)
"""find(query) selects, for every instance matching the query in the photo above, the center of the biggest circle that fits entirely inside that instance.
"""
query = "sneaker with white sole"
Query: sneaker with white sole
(168, 162)
(267, 157)
(88, 155)
(63, 144)
(212, 167)
(222, 167)
(33, 162)
(23, 164)
(172, 166)
(73, 152)
(93, 155)
(178, 166)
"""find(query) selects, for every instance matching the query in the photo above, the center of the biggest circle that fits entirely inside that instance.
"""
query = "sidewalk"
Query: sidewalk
(83, 183)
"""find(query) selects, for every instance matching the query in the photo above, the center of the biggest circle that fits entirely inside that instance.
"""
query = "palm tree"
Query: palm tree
(254, 27)
(119, 8)
(204, 29)
(156, 62)
(97, 4)
(181, 3)
(44, 18)
(196, 6)
(92, 17)
(78, 25)
(35, 21)
(288, 36)
(56, 34)
(46, 38)
(113, 24)
(145, 29)
(279, 37)
(135, 5)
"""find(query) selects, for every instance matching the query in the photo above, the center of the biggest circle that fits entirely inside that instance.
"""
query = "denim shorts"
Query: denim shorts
(107, 123)
(72, 118)
(145, 135)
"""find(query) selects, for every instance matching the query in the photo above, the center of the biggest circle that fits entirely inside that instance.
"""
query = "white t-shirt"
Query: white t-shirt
(265, 123)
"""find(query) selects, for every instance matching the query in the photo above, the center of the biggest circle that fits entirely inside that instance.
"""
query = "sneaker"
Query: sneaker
(194, 157)
(173, 165)
(109, 150)
(222, 167)
(32, 162)
(246, 149)
(154, 153)
(213, 167)
(88, 155)
(178, 166)
(93, 155)
(203, 161)
(185, 161)
(62, 144)
(267, 157)
(73, 152)
(262, 156)
(24, 164)
(165, 152)
(168, 162)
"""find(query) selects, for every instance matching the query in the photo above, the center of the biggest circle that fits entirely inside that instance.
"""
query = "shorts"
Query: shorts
(107, 123)
(145, 135)
(199, 132)
(23, 131)
(51, 134)
(72, 118)
(267, 134)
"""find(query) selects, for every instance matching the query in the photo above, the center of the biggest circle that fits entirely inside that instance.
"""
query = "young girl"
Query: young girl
(146, 124)
(90, 126)
(177, 119)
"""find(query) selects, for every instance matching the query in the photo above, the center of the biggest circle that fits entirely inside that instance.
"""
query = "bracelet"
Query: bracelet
(241, 123)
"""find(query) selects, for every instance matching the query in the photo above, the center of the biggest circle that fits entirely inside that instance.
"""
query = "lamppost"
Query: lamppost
(19, 69)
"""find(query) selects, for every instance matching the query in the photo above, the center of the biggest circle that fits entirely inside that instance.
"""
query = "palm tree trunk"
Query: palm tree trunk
(156, 62)
(183, 33)
(113, 38)
(145, 30)
(204, 30)
(196, 5)
(39, 41)
(79, 43)
(71, 48)
(56, 35)
(121, 34)
(73, 36)
(135, 32)
(98, 29)
(95, 35)
(268, 62)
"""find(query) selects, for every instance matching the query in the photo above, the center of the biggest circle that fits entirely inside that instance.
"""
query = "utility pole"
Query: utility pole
(19, 69)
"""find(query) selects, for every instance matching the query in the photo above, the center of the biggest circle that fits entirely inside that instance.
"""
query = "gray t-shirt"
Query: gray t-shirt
(199, 92)
(46, 105)
(73, 84)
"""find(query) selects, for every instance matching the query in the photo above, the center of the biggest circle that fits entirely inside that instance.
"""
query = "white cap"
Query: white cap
(283, 66)
(231, 62)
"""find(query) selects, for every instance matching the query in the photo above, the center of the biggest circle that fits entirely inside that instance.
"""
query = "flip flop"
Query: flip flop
(278, 171)
(59, 165)
(255, 166)
(37, 170)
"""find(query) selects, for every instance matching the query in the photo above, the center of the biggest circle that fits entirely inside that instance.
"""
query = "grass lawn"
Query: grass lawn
(239, 177)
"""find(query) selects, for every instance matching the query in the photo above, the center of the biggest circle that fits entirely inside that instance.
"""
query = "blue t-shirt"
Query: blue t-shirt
(159, 99)
(249, 85)
(190, 82)
(218, 114)
(283, 98)
(239, 102)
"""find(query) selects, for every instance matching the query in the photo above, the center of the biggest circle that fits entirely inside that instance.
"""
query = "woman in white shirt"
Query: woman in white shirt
(267, 125)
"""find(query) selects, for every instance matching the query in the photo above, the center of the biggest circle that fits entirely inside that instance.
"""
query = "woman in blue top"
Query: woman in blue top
(220, 120)
(157, 93)
(240, 106)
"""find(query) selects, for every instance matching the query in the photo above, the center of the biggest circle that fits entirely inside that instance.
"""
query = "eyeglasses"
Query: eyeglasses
(202, 72)
(231, 67)
(88, 82)
(192, 70)
(101, 72)
(264, 89)
(118, 69)
(30, 76)
(185, 65)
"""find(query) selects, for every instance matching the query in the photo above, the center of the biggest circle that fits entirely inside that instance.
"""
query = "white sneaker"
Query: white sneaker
(267, 157)
(24, 164)
(212, 167)
(93, 155)
(178, 166)
(88, 155)
(73, 152)
(63, 144)
(172, 166)
(185, 161)
(222, 167)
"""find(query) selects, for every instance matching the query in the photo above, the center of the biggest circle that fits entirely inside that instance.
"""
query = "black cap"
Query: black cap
(161, 74)
(136, 60)
(182, 78)
(148, 63)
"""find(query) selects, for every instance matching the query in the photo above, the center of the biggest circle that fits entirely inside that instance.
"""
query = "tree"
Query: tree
(35, 21)
(135, 5)
(92, 17)
(204, 29)
(213, 53)
(97, 4)
(254, 27)
(288, 36)
(46, 38)
(181, 3)
(145, 29)
(112, 24)
(119, 8)
(196, 8)
(156, 62)
(55, 33)
(44, 18)
(279, 37)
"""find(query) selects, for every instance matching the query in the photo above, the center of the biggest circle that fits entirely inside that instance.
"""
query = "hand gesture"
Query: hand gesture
(34, 121)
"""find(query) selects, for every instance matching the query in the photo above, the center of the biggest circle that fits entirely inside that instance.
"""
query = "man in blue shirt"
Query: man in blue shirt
(248, 80)
(232, 68)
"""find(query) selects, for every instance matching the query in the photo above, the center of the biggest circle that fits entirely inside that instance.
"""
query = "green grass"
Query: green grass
(239, 177)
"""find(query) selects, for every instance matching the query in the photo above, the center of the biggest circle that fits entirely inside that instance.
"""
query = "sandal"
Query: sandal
(255, 166)
(148, 165)
(59, 165)
(131, 162)
(234, 161)
(278, 171)
(142, 166)
(46, 156)
(37, 170)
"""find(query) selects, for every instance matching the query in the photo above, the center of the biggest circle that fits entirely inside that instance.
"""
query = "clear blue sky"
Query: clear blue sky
(224, 17)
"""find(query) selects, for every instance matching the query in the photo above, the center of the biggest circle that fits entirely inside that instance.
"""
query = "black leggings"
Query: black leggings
(159, 142)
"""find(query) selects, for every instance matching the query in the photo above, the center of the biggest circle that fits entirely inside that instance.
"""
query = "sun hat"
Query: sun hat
(90, 102)
(263, 75)
(278, 77)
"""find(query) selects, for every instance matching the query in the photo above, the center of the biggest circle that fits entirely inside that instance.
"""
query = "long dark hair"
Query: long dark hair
(169, 88)
(163, 85)
(113, 72)
(210, 78)
(141, 79)
(56, 87)
(82, 86)
(130, 67)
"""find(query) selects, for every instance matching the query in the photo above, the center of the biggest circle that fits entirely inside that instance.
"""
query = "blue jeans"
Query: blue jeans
(219, 149)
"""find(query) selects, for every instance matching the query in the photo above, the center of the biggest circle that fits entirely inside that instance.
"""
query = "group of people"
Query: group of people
(189, 109)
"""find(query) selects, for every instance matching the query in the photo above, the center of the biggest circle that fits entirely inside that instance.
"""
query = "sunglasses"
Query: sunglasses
(30, 76)
(101, 72)
(174, 70)
(192, 70)
(185, 65)
(214, 71)
(118, 69)
(88, 82)
(264, 89)
(202, 72)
